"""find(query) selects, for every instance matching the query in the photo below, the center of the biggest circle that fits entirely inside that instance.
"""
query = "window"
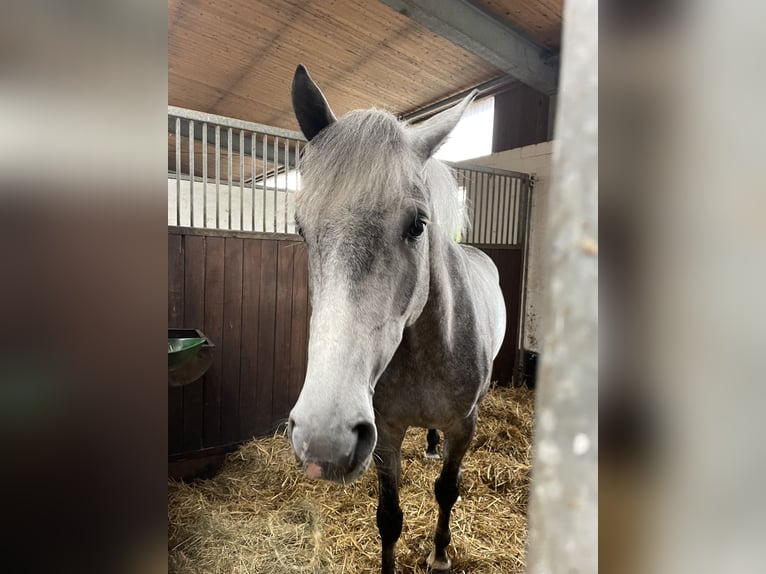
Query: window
(472, 137)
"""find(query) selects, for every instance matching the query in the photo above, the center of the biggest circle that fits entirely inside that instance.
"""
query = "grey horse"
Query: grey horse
(405, 322)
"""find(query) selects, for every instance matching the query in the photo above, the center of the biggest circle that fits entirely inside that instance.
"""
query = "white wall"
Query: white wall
(237, 196)
(534, 160)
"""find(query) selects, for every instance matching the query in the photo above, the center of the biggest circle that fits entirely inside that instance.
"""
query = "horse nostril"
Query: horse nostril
(365, 441)
(293, 437)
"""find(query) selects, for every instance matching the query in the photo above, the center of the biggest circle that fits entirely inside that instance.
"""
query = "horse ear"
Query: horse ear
(429, 135)
(310, 106)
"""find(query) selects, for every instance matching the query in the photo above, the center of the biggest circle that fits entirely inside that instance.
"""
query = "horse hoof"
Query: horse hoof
(432, 455)
(438, 565)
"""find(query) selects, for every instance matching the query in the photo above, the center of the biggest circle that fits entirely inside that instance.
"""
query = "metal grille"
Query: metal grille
(497, 202)
(230, 174)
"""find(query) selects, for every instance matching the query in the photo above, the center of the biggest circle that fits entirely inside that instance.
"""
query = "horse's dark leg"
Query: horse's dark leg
(433, 442)
(447, 487)
(389, 516)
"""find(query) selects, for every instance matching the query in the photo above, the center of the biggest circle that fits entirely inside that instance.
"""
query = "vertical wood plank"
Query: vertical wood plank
(280, 390)
(251, 280)
(521, 118)
(194, 318)
(232, 332)
(266, 328)
(175, 319)
(300, 323)
(214, 284)
(508, 262)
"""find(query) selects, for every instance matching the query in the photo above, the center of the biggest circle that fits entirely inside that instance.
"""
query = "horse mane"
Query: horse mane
(370, 149)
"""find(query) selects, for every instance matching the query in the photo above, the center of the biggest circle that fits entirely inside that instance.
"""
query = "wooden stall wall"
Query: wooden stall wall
(249, 295)
(509, 262)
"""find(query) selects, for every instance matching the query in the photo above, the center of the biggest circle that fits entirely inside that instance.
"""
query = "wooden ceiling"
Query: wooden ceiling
(540, 20)
(236, 58)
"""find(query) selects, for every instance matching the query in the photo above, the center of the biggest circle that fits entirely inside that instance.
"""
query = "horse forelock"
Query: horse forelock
(365, 163)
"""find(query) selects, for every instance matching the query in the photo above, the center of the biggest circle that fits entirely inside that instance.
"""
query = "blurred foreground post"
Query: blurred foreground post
(563, 515)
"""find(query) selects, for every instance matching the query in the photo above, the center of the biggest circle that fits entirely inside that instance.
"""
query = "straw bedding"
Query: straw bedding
(260, 515)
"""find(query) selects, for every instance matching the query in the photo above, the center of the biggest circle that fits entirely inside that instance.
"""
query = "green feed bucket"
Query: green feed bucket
(182, 350)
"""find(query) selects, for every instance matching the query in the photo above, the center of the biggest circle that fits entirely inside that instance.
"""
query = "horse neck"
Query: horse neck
(443, 291)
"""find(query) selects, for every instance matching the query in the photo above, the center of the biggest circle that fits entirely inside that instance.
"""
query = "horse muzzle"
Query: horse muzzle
(339, 453)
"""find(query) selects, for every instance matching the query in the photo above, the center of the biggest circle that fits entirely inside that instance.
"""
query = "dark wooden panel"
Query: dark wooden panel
(232, 337)
(521, 118)
(175, 318)
(266, 329)
(251, 284)
(214, 275)
(250, 297)
(300, 323)
(280, 391)
(194, 317)
(508, 262)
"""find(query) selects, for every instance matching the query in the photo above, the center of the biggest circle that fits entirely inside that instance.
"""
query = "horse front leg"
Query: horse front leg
(389, 516)
(447, 488)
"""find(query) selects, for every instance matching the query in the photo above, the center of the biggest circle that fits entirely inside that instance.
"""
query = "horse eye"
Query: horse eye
(300, 232)
(416, 228)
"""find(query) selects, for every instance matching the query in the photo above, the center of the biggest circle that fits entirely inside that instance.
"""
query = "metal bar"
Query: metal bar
(472, 176)
(231, 233)
(218, 177)
(497, 189)
(469, 205)
(233, 123)
(514, 214)
(204, 175)
(178, 171)
(485, 89)
(480, 190)
(230, 166)
(503, 223)
(287, 165)
(479, 205)
(276, 171)
(191, 175)
(492, 209)
(511, 200)
(509, 213)
(477, 212)
(486, 36)
(485, 193)
(236, 126)
(297, 176)
(263, 181)
(464, 236)
(520, 214)
(252, 178)
(241, 180)
(495, 181)
(482, 169)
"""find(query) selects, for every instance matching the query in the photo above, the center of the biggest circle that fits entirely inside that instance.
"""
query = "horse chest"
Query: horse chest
(416, 391)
